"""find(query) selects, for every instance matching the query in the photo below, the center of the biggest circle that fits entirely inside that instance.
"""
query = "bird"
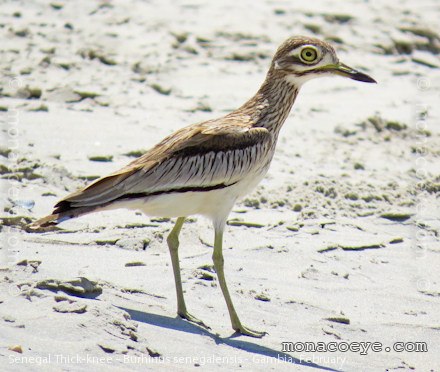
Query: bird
(204, 168)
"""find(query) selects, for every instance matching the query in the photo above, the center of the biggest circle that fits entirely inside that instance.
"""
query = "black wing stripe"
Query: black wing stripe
(172, 191)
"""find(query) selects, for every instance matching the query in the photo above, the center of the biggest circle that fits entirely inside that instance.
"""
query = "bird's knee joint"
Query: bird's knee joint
(173, 242)
(218, 259)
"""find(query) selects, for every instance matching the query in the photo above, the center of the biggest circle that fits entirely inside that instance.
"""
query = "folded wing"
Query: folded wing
(199, 157)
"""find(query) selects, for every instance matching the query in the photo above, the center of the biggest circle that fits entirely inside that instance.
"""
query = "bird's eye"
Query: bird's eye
(309, 55)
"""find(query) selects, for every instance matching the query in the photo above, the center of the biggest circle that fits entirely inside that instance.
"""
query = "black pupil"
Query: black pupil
(308, 54)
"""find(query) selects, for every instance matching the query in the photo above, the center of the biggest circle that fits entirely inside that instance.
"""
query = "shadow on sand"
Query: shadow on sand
(184, 326)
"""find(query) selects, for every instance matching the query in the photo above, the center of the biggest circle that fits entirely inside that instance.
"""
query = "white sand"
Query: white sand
(334, 176)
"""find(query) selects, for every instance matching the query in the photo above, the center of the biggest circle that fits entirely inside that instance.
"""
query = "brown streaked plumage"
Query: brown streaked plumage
(204, 168)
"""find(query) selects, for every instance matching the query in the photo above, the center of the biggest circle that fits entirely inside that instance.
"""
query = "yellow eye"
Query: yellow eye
(309, 54)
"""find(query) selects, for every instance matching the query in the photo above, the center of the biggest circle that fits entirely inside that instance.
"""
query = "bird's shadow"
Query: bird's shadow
(181, 325)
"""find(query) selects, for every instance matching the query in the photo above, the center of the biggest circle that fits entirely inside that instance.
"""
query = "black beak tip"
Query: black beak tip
(359, 76)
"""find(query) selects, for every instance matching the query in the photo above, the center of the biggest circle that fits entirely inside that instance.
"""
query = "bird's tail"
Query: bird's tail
(98, 195)
(61, 213)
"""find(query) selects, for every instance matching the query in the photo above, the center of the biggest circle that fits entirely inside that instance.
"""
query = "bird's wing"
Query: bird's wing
(199, 157)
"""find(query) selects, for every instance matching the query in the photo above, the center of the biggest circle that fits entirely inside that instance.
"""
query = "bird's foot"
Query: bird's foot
(249, 332)
(190, 318)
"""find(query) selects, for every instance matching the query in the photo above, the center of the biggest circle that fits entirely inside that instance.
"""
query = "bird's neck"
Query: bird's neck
(271, 105)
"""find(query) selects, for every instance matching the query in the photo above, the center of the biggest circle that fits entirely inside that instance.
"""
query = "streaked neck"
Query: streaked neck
(270, 107)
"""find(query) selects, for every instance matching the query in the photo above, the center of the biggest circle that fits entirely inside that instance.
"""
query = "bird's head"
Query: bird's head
(302, 58)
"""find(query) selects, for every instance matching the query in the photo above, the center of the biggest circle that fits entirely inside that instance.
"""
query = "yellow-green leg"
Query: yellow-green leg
(173, 245)
(217, 257)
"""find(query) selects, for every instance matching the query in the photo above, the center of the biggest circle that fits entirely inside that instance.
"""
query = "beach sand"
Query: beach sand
(338, 245)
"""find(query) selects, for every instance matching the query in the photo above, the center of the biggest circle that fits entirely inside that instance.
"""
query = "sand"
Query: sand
(338, 246)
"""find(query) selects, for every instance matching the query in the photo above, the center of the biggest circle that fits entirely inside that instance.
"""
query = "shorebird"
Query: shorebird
(202, 169)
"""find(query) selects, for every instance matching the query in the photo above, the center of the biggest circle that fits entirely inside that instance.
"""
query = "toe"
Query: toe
(250, 332)
(193, 319)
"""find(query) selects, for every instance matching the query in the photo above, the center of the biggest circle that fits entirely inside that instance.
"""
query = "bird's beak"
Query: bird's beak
(346, 71)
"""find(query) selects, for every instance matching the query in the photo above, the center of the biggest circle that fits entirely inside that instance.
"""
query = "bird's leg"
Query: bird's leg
(173, 245)
(217, 257)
